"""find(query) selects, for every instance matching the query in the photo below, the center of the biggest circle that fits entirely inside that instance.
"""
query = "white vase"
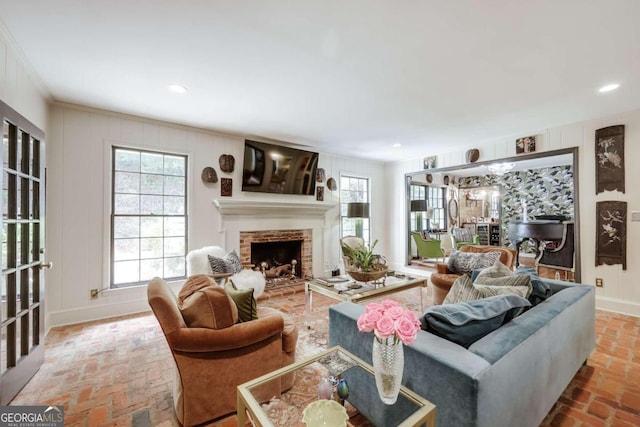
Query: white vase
(388, 365)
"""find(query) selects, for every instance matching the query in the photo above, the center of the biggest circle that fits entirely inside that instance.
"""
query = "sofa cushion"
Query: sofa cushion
(204, 304)
(464, 290)
(465, 262)
(230, 263)
(540, 290)
(245, 302)
(466, 322)
(498, 269)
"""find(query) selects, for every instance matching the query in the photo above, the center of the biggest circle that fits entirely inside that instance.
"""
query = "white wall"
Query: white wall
(20, 87)
(78, 202)
(621, 291)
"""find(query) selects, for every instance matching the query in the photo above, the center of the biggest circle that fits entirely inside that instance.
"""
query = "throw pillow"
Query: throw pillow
(540, 290)
(466, 322)
(464, 290)
(249, 279)
(204, 304)
(498, 269)
(230, 263)
(245, 302)
(465, 262)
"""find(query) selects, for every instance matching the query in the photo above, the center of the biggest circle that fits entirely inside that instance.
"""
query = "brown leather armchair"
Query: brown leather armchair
(211, 363)
(443, 279)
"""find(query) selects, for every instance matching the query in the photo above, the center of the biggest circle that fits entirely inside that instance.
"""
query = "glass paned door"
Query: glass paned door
(22, 239)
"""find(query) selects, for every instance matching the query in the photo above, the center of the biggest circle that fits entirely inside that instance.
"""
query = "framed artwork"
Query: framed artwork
(431, 162)
(526, 145)
(320, 194)
(610, 159)
(226, 187)
(611, 233)
(320, 175)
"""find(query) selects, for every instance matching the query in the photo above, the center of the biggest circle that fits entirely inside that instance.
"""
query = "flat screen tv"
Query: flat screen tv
(270, 168)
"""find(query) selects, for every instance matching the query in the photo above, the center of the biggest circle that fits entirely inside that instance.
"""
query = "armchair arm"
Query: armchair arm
(475, 239)
(442, 268)
(203, 340)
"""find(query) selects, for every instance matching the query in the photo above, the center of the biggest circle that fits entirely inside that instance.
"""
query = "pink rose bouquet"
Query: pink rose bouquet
(388, 320)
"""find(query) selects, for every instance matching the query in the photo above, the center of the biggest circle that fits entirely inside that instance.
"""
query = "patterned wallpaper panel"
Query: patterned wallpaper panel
(546, 191)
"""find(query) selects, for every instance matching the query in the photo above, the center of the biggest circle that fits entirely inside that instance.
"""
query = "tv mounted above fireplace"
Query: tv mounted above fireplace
(270, 168)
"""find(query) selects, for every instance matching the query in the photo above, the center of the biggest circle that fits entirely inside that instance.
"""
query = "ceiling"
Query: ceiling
(350, 77)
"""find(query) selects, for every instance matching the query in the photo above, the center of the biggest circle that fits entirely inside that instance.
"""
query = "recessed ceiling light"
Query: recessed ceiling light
(609, 88)
(177, 88)
(396, 145)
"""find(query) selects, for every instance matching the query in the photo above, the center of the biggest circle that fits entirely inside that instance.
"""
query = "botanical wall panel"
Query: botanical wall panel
(546, 191)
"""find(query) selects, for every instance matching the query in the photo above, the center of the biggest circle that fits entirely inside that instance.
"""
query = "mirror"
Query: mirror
(536, 189)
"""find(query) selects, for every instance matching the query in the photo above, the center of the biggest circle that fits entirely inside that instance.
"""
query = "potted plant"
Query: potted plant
(364, 265)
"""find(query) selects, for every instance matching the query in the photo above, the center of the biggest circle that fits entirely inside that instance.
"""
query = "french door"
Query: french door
(22, 235)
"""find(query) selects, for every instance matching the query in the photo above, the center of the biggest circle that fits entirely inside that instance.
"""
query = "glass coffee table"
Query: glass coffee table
(358, 291)
(363, 404)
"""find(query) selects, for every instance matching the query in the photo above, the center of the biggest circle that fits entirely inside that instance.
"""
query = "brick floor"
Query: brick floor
(118, 372)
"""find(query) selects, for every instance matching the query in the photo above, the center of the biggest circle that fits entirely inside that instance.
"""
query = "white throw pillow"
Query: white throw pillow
(247, 279)
(198, 262)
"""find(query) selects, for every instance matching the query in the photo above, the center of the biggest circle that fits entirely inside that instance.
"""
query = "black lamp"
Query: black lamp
(419, 206)
(358, 210)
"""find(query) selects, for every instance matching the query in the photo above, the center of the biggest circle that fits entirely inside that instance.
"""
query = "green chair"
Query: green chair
(427, 248)
(462, 237)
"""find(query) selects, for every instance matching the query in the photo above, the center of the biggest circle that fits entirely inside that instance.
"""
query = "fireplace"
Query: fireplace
(274, 250)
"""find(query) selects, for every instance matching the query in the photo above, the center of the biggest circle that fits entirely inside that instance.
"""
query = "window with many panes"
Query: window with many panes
(149, 216)
(435, 217)
(354, 189)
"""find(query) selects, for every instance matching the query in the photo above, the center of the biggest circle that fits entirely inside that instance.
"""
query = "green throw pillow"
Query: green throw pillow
(247, 307)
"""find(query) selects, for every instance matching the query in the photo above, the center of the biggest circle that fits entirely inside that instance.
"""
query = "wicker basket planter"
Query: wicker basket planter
(367, 276)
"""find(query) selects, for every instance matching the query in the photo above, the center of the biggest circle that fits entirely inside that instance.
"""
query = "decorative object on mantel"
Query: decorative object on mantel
(392, 326)
(611, 233)
(472, 155)
(209, 175)
(331, 184)
(610, 159)
(227, 163)
(320, 175)
(226, 187)
(320, 193)
(431, 162)
(526, 145)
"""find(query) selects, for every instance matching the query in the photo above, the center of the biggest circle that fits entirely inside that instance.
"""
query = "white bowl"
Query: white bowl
(325, 413)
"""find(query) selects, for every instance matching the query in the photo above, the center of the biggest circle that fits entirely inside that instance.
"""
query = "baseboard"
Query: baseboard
(618, 306)
(98, 312)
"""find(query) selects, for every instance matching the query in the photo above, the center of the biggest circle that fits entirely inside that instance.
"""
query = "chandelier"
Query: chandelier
(500, 168)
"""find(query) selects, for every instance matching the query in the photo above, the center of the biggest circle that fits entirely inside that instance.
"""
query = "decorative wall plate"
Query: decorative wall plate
(227, 163)
(472, 155)
(331, 184)
(209, 175)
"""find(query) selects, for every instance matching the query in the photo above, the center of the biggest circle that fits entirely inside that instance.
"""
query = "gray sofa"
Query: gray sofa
(511, 377)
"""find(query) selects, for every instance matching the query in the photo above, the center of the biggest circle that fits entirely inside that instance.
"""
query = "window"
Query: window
(148, 218)
(354, 189)
(435, 216)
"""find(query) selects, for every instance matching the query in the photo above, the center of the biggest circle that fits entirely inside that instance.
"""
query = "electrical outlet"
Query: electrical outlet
(599, 282)
(94, 294)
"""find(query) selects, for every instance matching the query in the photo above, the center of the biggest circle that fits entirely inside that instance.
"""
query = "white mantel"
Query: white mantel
(237, 215)
(272, 209)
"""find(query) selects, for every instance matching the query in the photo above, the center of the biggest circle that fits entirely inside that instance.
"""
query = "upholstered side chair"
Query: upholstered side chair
(461, 236)
(427, 248)
(211, 363)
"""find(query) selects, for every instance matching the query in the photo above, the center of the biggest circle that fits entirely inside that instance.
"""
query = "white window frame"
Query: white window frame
(343, 206)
